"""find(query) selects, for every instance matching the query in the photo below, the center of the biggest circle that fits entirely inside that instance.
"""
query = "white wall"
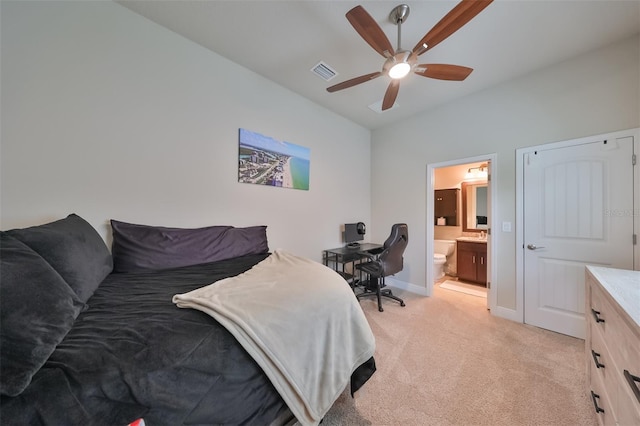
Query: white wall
(591, 94)
(109, 115)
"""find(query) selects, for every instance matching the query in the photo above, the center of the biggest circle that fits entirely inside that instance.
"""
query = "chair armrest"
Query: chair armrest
(371, 257)
(377, 256)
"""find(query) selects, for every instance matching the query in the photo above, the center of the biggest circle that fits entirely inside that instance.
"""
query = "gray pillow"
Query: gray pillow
(143, 247)
(37, 309)
(74, 249)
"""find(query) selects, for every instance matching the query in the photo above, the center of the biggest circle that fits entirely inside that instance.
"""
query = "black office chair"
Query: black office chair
(387, 262)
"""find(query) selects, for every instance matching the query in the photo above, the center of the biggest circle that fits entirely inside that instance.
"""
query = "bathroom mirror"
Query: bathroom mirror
(474, 207)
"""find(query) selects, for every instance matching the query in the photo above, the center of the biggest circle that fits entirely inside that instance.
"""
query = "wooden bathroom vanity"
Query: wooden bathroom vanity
(472, 259)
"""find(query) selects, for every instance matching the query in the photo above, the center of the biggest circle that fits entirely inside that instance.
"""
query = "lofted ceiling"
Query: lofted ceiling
(283, 40)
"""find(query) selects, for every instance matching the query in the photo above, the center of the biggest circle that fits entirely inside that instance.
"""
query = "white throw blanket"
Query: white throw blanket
(299, 320)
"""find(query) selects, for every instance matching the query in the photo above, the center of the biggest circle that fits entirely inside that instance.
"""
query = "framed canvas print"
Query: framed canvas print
(264, 160)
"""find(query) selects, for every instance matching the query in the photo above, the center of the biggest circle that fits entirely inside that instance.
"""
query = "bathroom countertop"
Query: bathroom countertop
(472, 240)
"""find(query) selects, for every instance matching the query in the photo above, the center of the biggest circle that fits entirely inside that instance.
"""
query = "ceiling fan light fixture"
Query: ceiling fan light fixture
(399, 70)
(399, 65)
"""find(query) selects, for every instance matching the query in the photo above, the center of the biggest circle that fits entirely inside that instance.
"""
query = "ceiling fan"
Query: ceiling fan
(401, 62)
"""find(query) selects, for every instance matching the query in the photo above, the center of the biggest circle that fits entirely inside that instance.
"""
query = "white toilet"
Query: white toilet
(441, 250)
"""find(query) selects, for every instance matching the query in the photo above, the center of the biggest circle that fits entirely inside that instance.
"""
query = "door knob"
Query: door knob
(533, 247)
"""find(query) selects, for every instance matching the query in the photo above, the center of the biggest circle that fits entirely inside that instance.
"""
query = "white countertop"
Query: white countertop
(623, 285)
(472, 239)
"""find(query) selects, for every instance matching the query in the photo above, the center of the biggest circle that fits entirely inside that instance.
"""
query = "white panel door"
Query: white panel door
(577, 201)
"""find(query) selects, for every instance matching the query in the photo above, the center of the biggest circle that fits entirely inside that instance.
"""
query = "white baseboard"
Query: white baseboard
(402, 285)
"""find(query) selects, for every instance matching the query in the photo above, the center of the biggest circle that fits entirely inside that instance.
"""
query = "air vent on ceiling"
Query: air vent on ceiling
(324, 71)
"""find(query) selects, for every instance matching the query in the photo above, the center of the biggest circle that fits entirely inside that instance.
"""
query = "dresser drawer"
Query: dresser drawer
(601, 403)
(614, 391)
(601, 364)
(612, 324)
(627, 405)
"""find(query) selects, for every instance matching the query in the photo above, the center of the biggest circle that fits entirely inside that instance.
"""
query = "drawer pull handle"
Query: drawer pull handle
(632, 382)
(595, 356)
(595, 397)
(596, 315)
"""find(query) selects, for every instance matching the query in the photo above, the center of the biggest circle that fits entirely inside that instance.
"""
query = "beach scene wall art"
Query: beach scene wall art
(266, 161)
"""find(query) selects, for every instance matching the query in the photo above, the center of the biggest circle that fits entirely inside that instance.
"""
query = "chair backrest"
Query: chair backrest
(391, 258)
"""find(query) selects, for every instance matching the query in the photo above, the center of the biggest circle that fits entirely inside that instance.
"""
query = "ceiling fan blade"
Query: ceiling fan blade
(370, 31)
(352, 82)
(391, 94)
(443, 71)
(465, 11)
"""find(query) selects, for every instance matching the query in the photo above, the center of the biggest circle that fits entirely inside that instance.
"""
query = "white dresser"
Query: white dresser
(613, 344)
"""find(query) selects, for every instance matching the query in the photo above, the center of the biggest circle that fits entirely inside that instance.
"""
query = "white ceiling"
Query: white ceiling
(283, 40)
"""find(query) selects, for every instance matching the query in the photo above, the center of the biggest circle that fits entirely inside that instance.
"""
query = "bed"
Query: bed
(107, 344)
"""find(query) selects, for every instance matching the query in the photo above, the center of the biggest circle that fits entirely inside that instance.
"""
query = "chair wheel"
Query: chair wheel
(380, 309)
(402, 304)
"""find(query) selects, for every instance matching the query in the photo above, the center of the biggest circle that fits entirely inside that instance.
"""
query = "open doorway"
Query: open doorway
(460, 216)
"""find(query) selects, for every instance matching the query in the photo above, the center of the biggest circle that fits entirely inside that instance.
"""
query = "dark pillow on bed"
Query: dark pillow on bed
(74, 249)
(143, 247)
(37, 309)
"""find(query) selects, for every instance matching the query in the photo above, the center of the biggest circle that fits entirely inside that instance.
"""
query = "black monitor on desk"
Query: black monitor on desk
(354, 232)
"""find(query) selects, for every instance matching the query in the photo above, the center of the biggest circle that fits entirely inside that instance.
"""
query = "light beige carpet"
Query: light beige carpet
(445, 360)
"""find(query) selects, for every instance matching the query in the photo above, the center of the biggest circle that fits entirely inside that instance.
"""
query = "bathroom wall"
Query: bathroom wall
(447, 178)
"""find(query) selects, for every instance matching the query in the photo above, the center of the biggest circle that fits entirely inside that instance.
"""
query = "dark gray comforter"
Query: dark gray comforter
(134, 354)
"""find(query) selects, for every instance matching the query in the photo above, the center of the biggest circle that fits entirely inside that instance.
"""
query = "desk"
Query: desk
(342, 256)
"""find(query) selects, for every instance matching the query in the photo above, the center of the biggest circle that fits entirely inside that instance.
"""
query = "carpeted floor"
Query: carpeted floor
(445, 360)
(474, 290)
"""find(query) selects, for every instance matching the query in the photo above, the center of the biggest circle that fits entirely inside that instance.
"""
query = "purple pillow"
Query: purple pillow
(143, 247)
